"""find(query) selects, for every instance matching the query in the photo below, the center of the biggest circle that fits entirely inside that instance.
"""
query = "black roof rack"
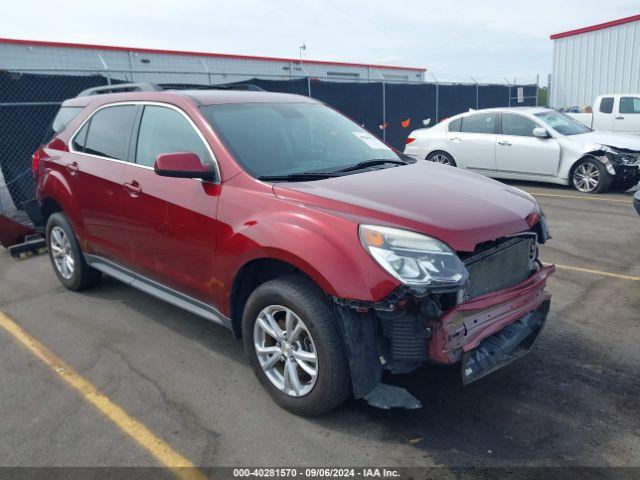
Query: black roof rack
(119, 88)
(152, 87)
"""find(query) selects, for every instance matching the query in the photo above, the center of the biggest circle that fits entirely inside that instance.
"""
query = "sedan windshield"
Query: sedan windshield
(562, 123)
(296, 139)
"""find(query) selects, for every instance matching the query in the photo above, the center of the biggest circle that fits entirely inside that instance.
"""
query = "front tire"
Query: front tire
(66, 257)
(591, 176)
(441, 157)
(294, 346)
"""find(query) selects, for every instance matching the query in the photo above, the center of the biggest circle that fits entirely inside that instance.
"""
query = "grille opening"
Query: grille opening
(504, 264)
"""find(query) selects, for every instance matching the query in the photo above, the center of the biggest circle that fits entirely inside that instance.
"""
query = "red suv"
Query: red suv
(334, 257)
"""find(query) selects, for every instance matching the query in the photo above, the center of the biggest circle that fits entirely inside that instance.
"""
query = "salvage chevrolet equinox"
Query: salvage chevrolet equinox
(333, 257)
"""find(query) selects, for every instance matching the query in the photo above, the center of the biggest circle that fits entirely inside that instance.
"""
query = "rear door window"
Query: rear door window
(108, 133)
(606, 105)
(479, 123)
(164, 130)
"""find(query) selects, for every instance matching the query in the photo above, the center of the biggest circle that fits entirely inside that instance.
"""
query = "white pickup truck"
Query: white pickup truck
(619, 112)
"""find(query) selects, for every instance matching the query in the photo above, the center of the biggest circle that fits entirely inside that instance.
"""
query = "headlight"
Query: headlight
(412, 258)
(617, 156)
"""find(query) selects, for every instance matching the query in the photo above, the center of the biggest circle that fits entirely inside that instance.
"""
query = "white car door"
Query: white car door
(519, 152)
(603, 117)
(474, 146)
(627, 118)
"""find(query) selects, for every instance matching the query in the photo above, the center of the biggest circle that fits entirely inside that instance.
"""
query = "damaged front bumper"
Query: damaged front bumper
(484, 334)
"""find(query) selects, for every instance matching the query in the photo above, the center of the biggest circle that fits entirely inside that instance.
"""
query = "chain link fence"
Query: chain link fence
(29, 100)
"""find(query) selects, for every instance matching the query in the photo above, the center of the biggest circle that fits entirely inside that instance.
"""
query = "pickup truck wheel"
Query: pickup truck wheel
(590, 176)
(66, 257)
(294, 346)
(441, 157)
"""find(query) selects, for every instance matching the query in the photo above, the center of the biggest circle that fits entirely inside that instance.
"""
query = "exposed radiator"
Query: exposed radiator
(502, 266)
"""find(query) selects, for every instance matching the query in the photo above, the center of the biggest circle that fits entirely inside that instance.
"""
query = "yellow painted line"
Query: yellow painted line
(145, 438)
(599, 272)
(599, 199)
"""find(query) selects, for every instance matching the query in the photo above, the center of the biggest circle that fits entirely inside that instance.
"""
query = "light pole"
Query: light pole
(301, 48)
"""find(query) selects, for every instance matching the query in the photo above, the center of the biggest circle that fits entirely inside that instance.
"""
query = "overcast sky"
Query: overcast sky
(451, 38)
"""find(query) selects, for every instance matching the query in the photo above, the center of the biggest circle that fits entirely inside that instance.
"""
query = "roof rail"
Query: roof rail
(122, 87)
(219, 86)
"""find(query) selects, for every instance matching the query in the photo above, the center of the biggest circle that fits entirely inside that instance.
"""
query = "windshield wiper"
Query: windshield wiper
(297, 176)
(370, 163)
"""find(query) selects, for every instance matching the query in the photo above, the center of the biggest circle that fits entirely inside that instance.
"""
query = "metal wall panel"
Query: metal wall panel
(219, 69)
(595, 63)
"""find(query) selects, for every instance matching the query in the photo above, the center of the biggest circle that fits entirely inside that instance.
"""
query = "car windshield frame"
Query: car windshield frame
(580, 128)
(342, 143)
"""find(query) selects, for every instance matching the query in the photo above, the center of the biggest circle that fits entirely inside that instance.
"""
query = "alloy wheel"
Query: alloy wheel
(586, 177)
(441, 158)
(285, 350)
(61, 252)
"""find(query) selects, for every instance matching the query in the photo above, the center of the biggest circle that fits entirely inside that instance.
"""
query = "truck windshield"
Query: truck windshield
(288, 139)
(562, 123)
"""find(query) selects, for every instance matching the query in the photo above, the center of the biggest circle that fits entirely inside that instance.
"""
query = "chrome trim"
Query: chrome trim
(143, 102)
(158, 290)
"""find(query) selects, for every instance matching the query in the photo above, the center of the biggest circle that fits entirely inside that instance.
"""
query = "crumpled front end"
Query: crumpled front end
(495, 319)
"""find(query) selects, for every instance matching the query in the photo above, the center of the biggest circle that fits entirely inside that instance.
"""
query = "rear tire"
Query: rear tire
(441, 157)
(66, 257)
(590, 176)
(297, 298)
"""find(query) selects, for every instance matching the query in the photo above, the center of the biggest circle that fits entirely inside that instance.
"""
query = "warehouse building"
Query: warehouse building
(595, 60)
(143, 64)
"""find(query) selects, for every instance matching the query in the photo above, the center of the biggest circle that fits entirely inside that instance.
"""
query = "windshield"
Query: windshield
(562, 123)
(280, 139)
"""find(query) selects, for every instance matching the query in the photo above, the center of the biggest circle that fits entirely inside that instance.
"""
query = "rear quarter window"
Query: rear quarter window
(454, 126)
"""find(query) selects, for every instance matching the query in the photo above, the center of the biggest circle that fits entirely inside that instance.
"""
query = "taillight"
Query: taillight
(409, 140)
(35, 161)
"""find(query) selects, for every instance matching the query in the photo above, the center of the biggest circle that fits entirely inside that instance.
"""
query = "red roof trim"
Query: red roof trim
(600, 26)
(200, 54)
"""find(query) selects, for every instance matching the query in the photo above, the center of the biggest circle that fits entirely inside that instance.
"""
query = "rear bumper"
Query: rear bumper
(465, 326)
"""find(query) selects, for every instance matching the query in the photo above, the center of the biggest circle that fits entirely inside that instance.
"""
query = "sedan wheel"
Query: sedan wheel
(442, 157)
(586, 177)
(285, 350)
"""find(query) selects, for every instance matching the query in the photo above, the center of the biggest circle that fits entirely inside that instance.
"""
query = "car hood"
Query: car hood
(611, 139)
(460, 208)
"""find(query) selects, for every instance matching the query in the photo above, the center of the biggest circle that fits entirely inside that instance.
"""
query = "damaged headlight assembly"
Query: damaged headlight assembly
(414, 259)
(617, 156)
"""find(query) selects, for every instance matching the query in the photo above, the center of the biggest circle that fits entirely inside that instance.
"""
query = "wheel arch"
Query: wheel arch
(603, 160)
(56, 195)
(441, 150)
(255, 273)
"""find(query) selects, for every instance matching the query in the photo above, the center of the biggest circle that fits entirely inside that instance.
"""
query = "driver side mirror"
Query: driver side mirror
(540, 132)
(182, 165)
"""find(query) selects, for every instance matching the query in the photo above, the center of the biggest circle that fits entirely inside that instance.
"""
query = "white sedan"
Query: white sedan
(531, 143)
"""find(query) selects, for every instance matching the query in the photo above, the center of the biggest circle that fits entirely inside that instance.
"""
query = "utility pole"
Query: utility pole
(301, 48)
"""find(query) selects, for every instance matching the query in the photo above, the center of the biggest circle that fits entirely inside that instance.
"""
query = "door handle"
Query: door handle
(133, 188)
(456, 139)
(73, 168)
(619, 117)
(505, 143)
